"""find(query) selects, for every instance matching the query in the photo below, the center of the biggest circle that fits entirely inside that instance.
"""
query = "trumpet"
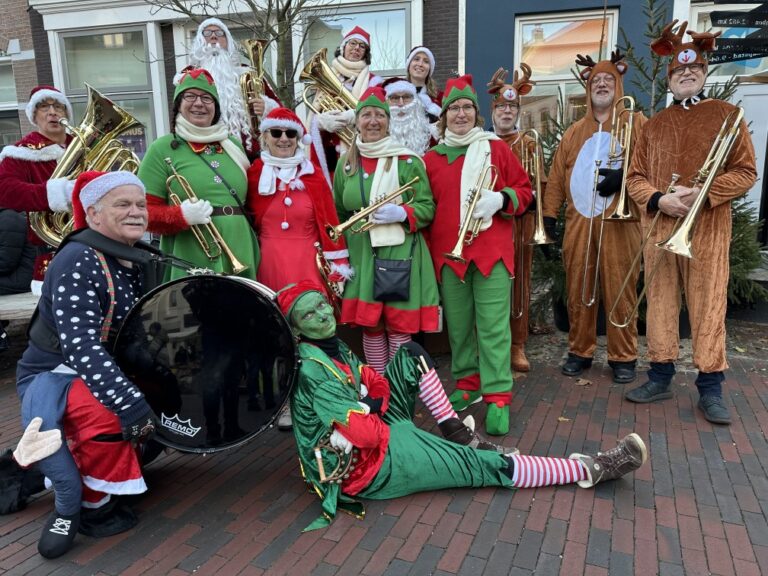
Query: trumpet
(207, 235)
(335, 232)
(470, 227)
(618, 152)
(333, 289)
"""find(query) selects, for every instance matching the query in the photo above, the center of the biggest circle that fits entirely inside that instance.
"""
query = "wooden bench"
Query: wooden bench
(18, 307)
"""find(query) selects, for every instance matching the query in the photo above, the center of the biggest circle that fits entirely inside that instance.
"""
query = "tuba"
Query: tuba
(330, 93)
(94, 147)
(251, 81)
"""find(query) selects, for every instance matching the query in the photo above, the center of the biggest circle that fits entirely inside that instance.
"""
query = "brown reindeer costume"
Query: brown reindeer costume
(677, 140)
(525, 224)
(571, 180)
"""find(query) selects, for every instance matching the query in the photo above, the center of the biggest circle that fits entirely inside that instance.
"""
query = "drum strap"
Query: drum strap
(107, 324)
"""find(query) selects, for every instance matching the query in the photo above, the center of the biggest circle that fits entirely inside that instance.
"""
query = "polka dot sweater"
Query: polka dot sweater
(75, 299)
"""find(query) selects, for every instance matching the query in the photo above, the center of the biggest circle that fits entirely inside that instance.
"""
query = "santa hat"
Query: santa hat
(286, 119)
(670, 43)
(357, 33)
(40, 94)
(423, 50)
(398, 86)
(92, 186)
(288, 296)
(456, 88)
(374, 96)
(198, 78)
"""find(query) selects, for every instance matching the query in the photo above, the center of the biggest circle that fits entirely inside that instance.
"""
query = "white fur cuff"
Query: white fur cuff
(344, 269)
(59, 192)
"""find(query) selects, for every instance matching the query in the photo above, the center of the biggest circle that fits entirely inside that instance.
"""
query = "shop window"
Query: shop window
(10, 131)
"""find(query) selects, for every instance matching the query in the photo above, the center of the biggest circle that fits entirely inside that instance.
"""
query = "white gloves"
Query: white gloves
(389, 214)
(364, 406)
(339, 442)
(35, 445)
(335, 120)
(489, 203)
(59, 192)
(196, 212)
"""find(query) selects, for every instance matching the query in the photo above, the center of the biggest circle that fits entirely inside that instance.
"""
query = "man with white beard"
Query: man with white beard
(409, 124)
(215, 49)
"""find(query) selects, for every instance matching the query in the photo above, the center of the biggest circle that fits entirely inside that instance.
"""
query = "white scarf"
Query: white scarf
(217, 133)
(385, 181)
(288, 170)
(477, 158)
(352, 70)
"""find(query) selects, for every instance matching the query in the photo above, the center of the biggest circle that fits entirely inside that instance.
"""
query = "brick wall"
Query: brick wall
(166, 32)
(42, 50)
(441, 33)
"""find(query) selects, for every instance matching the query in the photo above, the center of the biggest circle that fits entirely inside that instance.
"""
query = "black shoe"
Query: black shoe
(58, 535)
(649, 392)
(458, 432)
(714, 409)
(575, 365)
(112, 518)
(624, 374)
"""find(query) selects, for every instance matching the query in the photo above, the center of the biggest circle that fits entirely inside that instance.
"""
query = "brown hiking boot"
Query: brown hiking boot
(458, 432)
(628, 455)
(519, 361)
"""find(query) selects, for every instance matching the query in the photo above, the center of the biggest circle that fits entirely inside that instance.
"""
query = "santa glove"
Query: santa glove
(489, 203)
(35, 445)
(340, 442)
(341, 268)
(59, 192)
(611, 183)
(389, 214)
(335, 120)
(196, 212)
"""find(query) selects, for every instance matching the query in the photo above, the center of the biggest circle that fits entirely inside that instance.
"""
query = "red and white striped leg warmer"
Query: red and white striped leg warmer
(375, 350)
(432, 393)
(534, 471)
(396, 339)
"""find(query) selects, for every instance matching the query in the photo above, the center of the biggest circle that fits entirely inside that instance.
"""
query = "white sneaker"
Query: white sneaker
(284, 421)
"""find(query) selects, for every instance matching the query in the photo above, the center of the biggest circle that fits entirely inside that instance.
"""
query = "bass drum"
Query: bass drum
(214, 356)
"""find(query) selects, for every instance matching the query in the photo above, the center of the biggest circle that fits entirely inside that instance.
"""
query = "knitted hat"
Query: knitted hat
(425, 50)
(456, 88)
(398, 86)
(288, 296)
(521, 85)
(357, 33)
(694, 52)
(374, 96)
(42, 93)
(198, 78)
(286, 119)
(92, 186)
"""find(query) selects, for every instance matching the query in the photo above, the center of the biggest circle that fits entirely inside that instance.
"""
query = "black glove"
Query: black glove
(532, 206)
(140, 428)
(550, 226)
(373, 403)
(611, 183)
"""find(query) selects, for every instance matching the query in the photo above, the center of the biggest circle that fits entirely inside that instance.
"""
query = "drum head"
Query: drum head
(213, 355)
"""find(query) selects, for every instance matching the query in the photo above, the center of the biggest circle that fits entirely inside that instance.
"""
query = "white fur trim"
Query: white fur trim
(41, 95)
(132, 486)
(346, 271)
(46, 154)
(97, 188)
(269, 104)
(429, 106)
(399, 87)
(426, 51)
(360, 37)
(98, 504)
(336, 254)
(59, 191)
(317, 142)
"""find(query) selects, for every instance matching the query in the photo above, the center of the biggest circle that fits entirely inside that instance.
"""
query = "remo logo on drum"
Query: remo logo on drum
(182, 427)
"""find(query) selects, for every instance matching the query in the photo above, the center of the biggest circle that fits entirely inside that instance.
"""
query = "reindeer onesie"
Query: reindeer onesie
(571, 180)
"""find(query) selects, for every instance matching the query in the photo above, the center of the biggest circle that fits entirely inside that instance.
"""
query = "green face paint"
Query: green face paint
(312, 316)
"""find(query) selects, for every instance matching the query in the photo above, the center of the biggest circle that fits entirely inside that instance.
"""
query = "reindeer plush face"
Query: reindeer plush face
(670, 43)
(506, 97)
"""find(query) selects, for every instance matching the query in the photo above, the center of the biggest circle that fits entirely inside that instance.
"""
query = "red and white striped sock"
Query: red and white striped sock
(433, 395)
(396, 339)
(534, 471)
(375, 350)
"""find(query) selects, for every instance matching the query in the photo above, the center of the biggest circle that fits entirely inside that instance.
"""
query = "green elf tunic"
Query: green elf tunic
(420, 312)
(392, 457)
(176, 237)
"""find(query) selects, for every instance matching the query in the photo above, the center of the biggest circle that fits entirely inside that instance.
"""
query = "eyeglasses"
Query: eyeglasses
(356, 44)
(191, 97)
(216, 33)
(402, 98)
(57, 107)
(277, 133)
(694, 68)
(507, 106)
(466, 109)
(606, 79)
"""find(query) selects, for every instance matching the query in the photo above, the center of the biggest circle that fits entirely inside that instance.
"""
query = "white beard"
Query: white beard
(411, 129)
(225, 70)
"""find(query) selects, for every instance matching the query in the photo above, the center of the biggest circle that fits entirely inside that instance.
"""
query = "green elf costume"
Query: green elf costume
(369, 171)
(214, 163)
(476, 289)
(348, 417)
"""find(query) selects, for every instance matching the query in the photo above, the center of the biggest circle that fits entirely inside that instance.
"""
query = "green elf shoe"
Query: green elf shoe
(497, 419)
(463, 399)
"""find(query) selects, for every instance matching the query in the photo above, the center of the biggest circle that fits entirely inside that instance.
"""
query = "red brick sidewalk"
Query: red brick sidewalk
(699, 506)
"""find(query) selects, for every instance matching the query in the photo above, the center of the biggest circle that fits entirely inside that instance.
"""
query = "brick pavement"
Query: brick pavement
(699, 506)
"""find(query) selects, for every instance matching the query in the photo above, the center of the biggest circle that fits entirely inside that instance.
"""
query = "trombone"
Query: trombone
(679, 241)
(470, 227)
(619, 152)
(207, 235)
(335, 232)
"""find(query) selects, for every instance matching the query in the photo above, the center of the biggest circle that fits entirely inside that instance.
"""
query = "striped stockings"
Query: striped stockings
(534, 471)
(396, 339)
(433, 395)
(375, 350)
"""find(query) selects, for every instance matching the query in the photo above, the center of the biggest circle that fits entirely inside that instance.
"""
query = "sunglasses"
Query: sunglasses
(276, 133)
